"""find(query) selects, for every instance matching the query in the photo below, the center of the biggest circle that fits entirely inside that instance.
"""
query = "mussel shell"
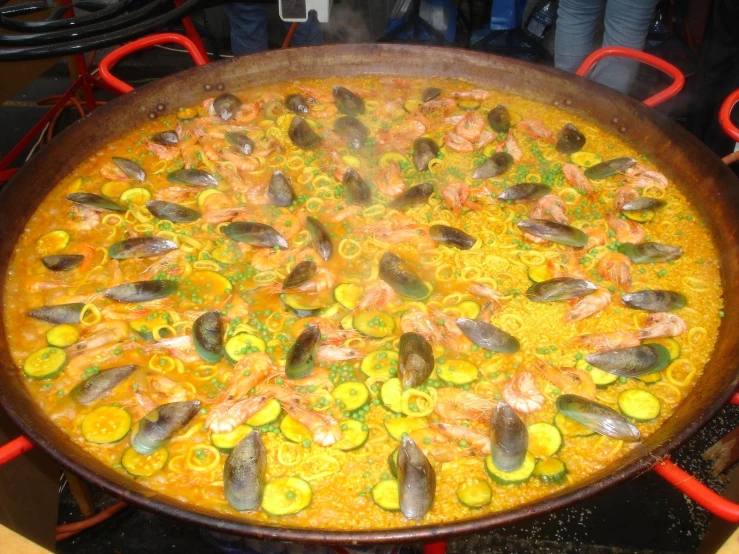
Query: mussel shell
(226, 105)
(347, 102)
(599, 418)
(160, 424)
(561, 288)
(499, 119)
(280, 191)
(424, 150)
(416, 360)
(62, 262)
(302, 356)
(609, 167)
(642, 203)
(256, 234)
(632, 361)
(166, 138)
(241, 142)
(302, 134)
(429, 93)
(193, 178)
(95, 201)
(320, 238)
(655, 300)
(395, 272)
(495, 165)
(351, 130)
(90, 390)
(301, 273)
(650, 252)
(356, 189)
(417, 194)
(61, 313)
(524, 192)
(416, 480)
(141, 247)
(141, 291)
(488, 336)
(244, 473)
(296, 104)
(130, 168)
(170, 211)
(569, 139)
(207, 335)
(554, 232)
(509, 438)
(449, 236)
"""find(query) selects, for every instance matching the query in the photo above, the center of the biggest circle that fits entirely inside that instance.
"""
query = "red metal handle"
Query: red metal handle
(724, 115)
(654, 61)
(13, 449)
(735, 399)
(107, 63)
(434, 548)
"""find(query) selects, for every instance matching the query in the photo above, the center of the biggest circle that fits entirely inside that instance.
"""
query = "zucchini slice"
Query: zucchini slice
(306, 305)
(642, 216)
(570, 428)
(540, 273)
(209, 285)
(544, 439)
(600, 377)
(457, 372)
(391, 393)
(651, 378)
(468, 104)
(113, 189)
(52, 242)
(353, 435)
(469, 309)
(63, 335)
(293, 430)
(352, 394)
(639, 404)
(106, 424)
(144, 326)
(135, 195)
(45, 363)
(412, 105)
(348, 295)
(144, 466)
(242, 344)
(515, 477)
(401, 426)
(474, 493)
(673, 347)
(267, 414)
(379, 363)
(374, 324)
(392, 158)
(392, 462)
(203, 196)
(551, 471)
(226, 442)
(286, 496)
(585, 159)
(386, 495)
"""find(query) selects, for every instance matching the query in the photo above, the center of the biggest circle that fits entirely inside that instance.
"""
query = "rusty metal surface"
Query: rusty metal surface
(698, 173)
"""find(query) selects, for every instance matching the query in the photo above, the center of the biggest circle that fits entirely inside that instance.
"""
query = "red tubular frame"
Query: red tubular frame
(13, 449)
(724, 115)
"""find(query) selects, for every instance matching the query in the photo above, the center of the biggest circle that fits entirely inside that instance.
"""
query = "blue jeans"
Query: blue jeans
(249, 29)
(626, 24)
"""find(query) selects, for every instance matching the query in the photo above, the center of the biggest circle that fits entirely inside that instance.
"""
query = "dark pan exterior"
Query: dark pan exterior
(698, 172)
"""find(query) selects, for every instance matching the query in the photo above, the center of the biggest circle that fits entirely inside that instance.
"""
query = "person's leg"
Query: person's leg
(308, 33)
(248, 27)
(577, 21)
(627, 24)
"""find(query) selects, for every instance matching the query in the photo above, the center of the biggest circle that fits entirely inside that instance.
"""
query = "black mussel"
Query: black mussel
(348, 102)
(601, 419)
(244, 473)
(396, 273)
(256, 234)
(302, 134)
(207, 335)
(429, 93)
(642, 203)
(141, 291)
(351, 130)
(130, 168)
(561, 288)
(141, 247)
(320, 238)
(62, 262)
(356, 189)
(416, 360)
(61, 313)
(609, 167)
(495, 165)
(524, 192)
(300, 274)
(499, 119)
(170, 211)
(655, 300)
(488, 336)
(449, 236)
(166, 138)
(416, 480)
(650, 252)
(280, 191)
(302, 356)
(241, 142)
(554, 232)
(424, 150)
(95, 201)
(632, 361)
(413, 196)
(160, 424)
(296, 104)
(193, 178)
(509, 438)
(569, 139)
(92, 389)
(226, 105)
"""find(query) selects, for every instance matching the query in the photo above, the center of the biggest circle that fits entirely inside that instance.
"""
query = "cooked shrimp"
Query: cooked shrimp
(475, 439)
(663, 324)
(328, 354)
(486, 291)
(89, 218)
(180, 347)
(403, 134)
(641, 177)
(615, 268)
(376, 295)
(446, 104)
(331, 333)
(41, 285)
(228, 415)
(456, 196)
(322, 280)
(457, 143)
(550, 207)
(113, 172)
(390, 183)
(242, 163)
(536, 130)
(623, 195)
(167, 153)
(567, 266)
(386, 111)
(512, 147)
(596, 236)
(626, 231)
(416, 321)
(207, 143)
(324, 428)
(609, 341)
(455, 404)
(568, 380)
(477, 94)
(265, 259)
(470, 127)
(247, 112)
(221, 215)
(251, 370)
(589, 305)
(336, 213)
(165, 390)
(522, 394)
(576, 177)
(176, 194)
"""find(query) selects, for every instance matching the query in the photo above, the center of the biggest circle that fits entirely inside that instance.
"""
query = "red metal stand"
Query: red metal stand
(724, 115)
